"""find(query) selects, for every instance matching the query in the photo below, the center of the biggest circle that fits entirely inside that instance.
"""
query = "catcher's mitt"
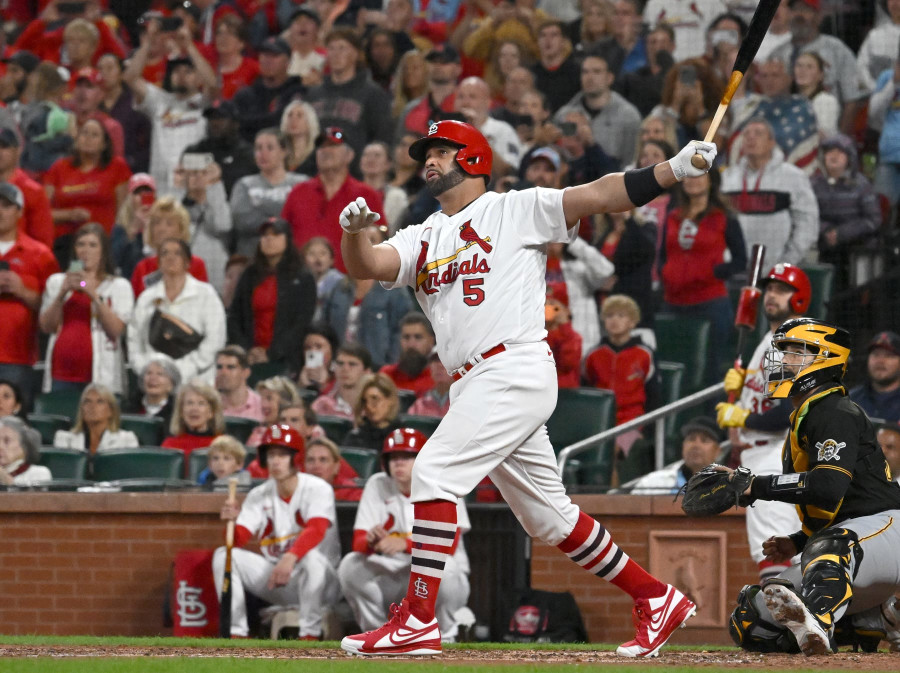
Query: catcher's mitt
(710, 491)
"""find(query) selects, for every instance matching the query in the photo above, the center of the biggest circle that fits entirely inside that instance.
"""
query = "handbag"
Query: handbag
(172, 336)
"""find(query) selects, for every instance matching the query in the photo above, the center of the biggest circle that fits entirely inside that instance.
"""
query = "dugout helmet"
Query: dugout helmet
(797, 279)
(280, 434)
(825, 347)
(401, 440)
(474, 157)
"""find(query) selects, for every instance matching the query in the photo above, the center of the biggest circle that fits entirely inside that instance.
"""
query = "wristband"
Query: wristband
(642, 186)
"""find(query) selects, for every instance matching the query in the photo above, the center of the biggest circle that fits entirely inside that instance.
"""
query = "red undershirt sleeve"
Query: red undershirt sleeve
(241, 536)
(312, 535)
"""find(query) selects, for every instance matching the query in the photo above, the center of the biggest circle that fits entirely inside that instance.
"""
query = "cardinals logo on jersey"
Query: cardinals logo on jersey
(429, 280)
(468, 234)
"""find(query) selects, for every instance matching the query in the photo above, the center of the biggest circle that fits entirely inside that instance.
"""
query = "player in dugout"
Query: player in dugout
(478, 268)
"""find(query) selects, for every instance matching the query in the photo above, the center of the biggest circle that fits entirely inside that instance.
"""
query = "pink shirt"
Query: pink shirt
(332, 405)
(430, 404)
(252, 408)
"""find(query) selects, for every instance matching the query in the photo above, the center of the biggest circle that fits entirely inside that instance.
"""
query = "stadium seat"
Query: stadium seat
(821, 278)
(64, 463)
(59, 403)
(48, 424)
(143, 462)
(581, 413)
(265, 370)
(240, 428)
(150, 430)
(672, 376)
(336, 427)
(197, 462)
(424, 424)
(364, 461)
(407, 397)
(309, 395)
(684, 340)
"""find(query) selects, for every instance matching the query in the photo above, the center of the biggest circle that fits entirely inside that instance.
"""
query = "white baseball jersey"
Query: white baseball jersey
(491, 255)
(753, 397)
(278, 523)
(382, 504)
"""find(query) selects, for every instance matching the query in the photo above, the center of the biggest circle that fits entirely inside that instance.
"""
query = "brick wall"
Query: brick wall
(98, 563)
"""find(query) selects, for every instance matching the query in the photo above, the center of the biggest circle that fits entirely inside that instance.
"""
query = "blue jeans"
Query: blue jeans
(57, 386)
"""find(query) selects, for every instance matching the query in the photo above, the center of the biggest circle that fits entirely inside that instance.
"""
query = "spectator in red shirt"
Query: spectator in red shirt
(168, 219)
(36, 220)
(319, 348)
(274, 301)
(56, 34)
(154, 70)
(411, 371)
(88, 186)
(323, 460)
(564, 341)
(235, 70)
(84, 100)
(25, 266)
(623, 363)
(197, 420)
(313, 207)
(436, 400)
(444, 70)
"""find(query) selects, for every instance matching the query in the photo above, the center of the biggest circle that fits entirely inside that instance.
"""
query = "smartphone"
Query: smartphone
(4, 265)
(169, 24)
(71, 8)
(568, 128)
(75, 266)
(193, 161)
(315, 359)
(688, 75)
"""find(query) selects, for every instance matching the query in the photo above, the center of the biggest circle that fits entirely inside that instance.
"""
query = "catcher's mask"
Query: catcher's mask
(805, 354)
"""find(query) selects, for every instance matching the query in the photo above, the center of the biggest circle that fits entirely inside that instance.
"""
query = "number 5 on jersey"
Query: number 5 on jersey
(473, 294)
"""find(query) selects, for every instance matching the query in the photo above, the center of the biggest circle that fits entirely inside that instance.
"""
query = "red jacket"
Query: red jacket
(565, 343)
(419, 385)
(628, 370)
(37, 220)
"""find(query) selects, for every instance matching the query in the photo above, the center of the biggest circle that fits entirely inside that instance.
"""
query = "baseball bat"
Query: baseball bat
(225, 598)
(759, 24)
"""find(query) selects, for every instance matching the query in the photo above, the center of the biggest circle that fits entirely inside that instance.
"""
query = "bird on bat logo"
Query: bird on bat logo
(469, 235)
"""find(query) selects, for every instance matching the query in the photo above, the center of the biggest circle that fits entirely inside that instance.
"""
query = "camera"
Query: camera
(169, 24)
(71, 8)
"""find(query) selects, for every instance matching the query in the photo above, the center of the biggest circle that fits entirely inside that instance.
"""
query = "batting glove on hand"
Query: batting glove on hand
(734, 380)
(681, 162)
(356, 216)
(731, 415)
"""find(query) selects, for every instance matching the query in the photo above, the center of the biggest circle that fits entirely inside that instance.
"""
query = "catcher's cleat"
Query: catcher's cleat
(890, 610)
(655, 619)
(789, 610)
(403, 634)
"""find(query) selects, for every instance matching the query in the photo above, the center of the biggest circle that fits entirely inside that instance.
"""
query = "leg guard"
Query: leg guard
(829, 563)
(750, 632)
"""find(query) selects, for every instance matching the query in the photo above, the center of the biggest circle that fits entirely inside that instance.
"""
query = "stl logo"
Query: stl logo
(191, 609)
(432, 129)
(421, 588)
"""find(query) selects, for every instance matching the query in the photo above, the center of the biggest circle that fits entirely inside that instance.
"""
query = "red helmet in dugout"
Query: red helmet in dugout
(401, 440)
(795, 277)
(474, 157)
(280, 434)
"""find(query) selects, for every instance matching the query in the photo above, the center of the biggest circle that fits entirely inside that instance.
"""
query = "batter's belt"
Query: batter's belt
(457, 374)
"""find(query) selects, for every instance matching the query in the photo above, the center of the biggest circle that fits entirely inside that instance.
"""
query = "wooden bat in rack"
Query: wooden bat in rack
(225, 598)
(759, 24)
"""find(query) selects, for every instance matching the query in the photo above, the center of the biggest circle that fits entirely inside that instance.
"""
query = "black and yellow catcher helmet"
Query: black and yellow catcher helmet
(824, 349)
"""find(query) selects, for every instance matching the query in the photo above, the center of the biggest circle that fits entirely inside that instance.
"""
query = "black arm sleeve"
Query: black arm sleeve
(734, 240)
(821, 487)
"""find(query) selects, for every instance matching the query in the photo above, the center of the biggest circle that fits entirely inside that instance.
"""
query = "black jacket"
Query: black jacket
(261, 106)
(296, 304)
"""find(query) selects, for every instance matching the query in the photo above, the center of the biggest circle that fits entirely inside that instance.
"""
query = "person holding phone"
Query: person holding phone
(85, 311)
(274, 300)
(317, 373)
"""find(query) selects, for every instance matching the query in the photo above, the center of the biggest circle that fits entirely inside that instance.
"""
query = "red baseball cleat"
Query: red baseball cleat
(655, 620)
(403, 634)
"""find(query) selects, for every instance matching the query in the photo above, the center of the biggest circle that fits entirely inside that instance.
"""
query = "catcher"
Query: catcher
(835, 473)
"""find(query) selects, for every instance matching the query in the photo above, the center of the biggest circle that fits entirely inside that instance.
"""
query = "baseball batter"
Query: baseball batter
(836, 475)
(376, 572)
(292, 515)
(758, 424)
(477, 267)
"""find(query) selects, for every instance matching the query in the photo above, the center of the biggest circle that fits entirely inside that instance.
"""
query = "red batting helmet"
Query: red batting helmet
(280, 434)
(474, 157)
(797, 279)
(401, 440)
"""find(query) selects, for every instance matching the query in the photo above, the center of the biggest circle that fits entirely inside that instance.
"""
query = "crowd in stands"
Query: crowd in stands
(171, 178)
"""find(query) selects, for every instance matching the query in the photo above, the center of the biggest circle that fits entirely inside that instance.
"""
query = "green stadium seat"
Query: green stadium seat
(336, 427)
(407, 397)
(240, 428)
(581, 413)
(265, 370)
(48, 424)
(59, 403)
(672, 377)
(150, 430)
(64, 463)
(821, 278)
(197, 462)
(143, 462)
(364, 461)
(309, 395)
(684, 340)
(424, 424)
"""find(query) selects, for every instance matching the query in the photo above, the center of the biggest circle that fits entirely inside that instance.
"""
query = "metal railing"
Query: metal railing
(657, 416)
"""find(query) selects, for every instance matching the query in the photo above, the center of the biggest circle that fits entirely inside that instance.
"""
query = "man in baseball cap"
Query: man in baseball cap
(13, 81)
(879, 396)
(542, 168)
(701, 437)
(224, 141)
